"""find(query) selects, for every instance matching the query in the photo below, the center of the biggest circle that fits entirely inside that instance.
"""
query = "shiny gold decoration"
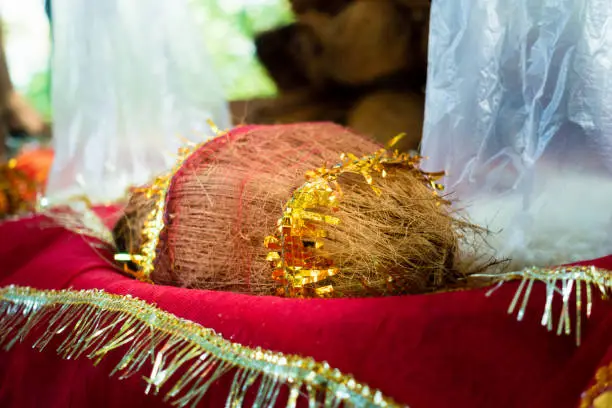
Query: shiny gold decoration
(155, 223)
(94, 324)
(560, 282)
(297, 251)
(600, 394)
(78, 216)
(153, 226)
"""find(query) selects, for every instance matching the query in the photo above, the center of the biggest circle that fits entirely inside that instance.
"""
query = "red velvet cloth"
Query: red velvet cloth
(457, 349)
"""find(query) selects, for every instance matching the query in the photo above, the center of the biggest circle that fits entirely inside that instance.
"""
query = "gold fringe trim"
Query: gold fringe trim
(561, 283)
(94, 323)
(75, 214)
(81, 219)
(600, 394)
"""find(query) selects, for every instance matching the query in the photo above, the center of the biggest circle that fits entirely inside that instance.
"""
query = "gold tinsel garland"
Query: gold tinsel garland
(296, 250)
(78, 216)
(94, 323)
(560, 282)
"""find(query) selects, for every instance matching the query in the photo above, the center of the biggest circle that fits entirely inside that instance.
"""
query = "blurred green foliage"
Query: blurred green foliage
(38, 93)
(229, 27)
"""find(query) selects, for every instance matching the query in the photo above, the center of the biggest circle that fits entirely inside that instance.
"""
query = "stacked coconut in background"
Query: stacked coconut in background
(360, 63)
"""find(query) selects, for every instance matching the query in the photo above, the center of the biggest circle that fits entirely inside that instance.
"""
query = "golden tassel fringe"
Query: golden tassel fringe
(93, 323)
(82, 221)
(76, 215)
(560, 282)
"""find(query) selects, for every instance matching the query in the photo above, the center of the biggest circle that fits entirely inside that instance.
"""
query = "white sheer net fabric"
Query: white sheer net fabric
(519, 113)
(130, 78)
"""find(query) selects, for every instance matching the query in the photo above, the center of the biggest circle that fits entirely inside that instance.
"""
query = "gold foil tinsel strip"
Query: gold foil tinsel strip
(154, 223)
(560, 283)
(153, 226)
(94, 323)
(77, 215)
(296, 253)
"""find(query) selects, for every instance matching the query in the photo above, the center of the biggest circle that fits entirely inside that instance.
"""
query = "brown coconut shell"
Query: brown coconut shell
(403, 241)
(365, 41)
(385, 113)
(229, 195)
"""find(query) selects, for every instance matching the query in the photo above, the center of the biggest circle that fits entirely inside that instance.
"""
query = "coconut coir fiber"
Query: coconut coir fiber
(229, 195)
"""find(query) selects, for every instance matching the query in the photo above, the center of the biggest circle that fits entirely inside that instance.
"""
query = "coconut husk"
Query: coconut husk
(398, 241)
(385, 113)
(226, 198)
(365, 41)
(229, 195)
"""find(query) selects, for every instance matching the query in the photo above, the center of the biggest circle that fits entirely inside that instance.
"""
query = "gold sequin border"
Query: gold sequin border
(93, 323)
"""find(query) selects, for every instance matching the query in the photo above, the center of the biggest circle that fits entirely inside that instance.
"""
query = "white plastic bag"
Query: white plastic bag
(130, 78)
(519, 114)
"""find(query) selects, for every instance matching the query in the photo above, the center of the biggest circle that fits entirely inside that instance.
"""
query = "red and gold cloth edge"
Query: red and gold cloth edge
(300, 266)
(183, 358)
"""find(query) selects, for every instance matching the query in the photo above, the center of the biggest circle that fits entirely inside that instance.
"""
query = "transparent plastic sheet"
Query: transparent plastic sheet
(519, 114)
(130, 79)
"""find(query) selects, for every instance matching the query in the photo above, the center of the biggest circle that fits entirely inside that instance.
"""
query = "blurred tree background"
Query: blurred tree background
(228, 27)
(38, 93)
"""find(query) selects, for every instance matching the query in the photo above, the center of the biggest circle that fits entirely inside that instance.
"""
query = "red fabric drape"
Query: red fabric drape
(457, 349)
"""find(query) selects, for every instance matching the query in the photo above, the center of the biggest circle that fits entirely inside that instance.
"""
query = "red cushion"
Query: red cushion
(458, 349)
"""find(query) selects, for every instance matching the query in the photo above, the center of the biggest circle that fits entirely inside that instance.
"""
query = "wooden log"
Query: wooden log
(374, 52)
(414, 4)
(367, 42)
